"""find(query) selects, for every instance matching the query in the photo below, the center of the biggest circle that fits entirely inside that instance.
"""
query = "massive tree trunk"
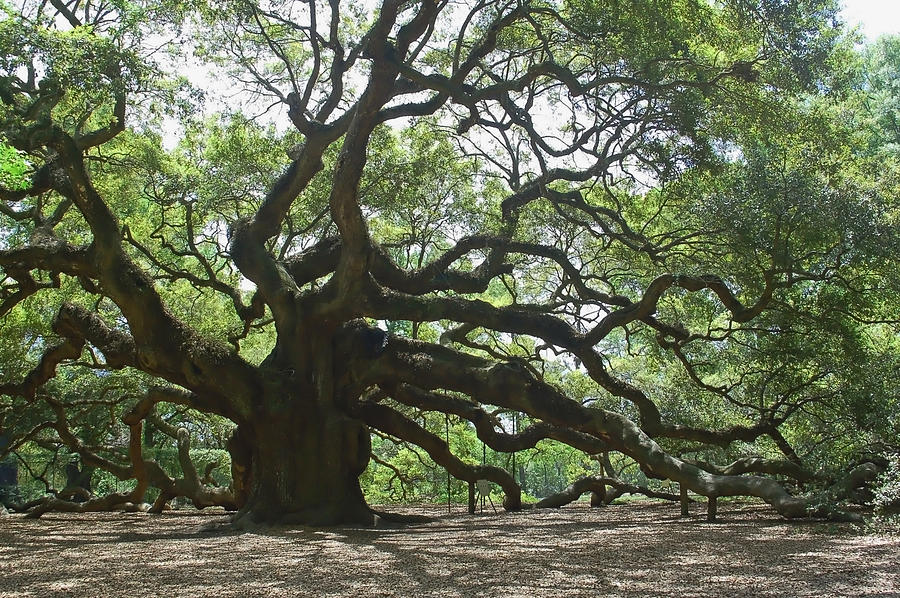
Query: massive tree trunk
(304, 462)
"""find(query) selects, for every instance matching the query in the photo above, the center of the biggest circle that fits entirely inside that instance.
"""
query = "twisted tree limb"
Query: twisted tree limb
(598, 483)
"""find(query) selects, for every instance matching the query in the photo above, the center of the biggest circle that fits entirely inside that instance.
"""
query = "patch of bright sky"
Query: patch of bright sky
(875, 17)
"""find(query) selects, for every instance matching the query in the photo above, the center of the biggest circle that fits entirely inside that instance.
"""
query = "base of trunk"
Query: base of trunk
(302, 467)
(316, 516)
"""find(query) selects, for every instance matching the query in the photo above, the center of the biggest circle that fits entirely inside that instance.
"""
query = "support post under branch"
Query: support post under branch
(711, 508)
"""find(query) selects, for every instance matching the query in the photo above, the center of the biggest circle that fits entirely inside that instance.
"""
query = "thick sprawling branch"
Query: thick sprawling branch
(486, 425)
(120, 350)
(137, 470)
(647, 305)
(516, 319)
(598, 483)
(248, 238)
(77, 323)
(394, 423)
(161, 344)
(46, 253)
(45, 370)
(761, 465)
(144, 472)
(511, 386)
(110, 502)
(157, 394)
(191, 485)
(345, 208)
(52, 256)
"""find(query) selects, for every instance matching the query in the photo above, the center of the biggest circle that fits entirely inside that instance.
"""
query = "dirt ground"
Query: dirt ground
(623, 550)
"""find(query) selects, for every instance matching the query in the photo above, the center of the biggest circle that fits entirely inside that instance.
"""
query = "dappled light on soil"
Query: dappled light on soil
(627, 550)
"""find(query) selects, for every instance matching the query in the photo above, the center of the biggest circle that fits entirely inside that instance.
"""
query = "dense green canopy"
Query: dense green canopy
(319, 248)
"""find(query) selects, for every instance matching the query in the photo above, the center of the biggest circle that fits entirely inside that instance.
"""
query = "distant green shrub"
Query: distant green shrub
(886, 502)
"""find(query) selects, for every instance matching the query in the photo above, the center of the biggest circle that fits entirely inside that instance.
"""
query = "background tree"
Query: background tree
(642, 229)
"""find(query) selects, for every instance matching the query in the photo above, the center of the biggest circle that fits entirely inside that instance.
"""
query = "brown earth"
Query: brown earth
(636, 549)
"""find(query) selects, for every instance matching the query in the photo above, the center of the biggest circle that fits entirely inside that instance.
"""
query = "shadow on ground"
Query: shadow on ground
(625, 550)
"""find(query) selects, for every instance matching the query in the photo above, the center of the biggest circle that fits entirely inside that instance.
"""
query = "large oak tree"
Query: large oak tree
(643, 225)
